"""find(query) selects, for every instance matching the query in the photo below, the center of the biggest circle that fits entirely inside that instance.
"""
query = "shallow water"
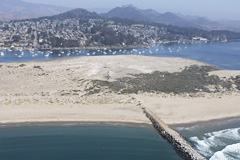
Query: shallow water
(223, 55)
(83, 141)
(216, 140)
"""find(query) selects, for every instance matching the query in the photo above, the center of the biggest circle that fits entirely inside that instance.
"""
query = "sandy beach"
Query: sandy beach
(58, 90)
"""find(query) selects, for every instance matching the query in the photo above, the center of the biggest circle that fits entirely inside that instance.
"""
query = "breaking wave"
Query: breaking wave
(219, 145)
(231, 152)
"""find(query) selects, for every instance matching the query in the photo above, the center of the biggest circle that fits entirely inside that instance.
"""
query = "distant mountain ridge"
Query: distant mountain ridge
(168, 18)
(77, 13)
(149, 15)
(18, 9)
(127, 12)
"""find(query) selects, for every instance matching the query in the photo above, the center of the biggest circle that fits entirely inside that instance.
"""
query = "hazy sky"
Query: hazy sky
(213, 9)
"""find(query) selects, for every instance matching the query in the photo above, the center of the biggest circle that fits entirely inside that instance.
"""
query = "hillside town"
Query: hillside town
(76, 33)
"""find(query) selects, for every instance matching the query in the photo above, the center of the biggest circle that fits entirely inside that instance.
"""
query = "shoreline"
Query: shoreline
(79, 57)
(76, 123)
(120, 113)
(114, 123)
(191, 124)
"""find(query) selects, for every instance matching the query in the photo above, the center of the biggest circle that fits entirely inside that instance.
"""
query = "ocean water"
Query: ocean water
(216, 140)
(223, 55)
(83, 142)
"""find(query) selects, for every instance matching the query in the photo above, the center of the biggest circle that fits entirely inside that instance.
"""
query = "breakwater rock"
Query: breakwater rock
(183, 148)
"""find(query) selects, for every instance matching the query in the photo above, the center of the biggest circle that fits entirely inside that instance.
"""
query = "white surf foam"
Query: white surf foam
(214, 140)
(231, 152)
(233, 134)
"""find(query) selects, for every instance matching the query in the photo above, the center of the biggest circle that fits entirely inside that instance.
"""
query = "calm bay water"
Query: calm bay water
(223, 55)
(83, 142)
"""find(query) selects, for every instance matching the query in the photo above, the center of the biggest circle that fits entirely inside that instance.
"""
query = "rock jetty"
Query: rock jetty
(183, 148)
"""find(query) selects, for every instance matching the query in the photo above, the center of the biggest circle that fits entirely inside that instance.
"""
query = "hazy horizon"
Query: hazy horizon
(214, 9)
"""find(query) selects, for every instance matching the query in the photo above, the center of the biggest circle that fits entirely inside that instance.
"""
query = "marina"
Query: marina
(222, 55)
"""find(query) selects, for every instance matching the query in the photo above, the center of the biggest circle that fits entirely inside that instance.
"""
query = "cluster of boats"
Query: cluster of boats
(104, 51)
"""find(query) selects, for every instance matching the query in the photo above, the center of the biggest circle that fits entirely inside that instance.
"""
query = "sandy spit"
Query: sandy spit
(56, 91)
